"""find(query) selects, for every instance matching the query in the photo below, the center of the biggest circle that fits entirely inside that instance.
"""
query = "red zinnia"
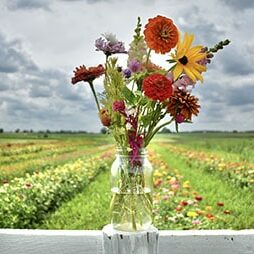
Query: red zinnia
(161, 34)
(87, 75)
(157, 87)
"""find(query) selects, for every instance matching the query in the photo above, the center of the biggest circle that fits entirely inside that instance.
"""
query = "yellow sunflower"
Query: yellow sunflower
(187, 58)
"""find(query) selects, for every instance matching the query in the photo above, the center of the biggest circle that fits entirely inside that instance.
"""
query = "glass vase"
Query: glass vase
(131, 187)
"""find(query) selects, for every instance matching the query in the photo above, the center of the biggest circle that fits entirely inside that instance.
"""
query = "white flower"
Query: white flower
(110, 37)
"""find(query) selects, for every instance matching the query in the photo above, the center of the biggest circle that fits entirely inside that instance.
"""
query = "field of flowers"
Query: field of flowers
(197, 185)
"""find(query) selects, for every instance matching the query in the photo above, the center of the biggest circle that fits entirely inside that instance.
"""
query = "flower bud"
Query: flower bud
(104, 116)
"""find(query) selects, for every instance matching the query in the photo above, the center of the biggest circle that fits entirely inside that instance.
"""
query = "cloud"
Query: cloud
(14, 5)
(87, 1)
(12, 57)
(239, 5)
(237, 61)
(194, 21)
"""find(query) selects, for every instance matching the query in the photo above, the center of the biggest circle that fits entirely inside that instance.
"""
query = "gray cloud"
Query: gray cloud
(87, 1)
(12, 57)
(27, 4)
(239, 5)
(241, 96)
(195, 22)
(237, 61)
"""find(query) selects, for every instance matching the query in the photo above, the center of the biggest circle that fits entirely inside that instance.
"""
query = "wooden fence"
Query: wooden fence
(17, 241)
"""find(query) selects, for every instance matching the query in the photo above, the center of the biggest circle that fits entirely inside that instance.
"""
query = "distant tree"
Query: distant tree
(104, 130)
(1, 130)
(17, 130)
(48, 131)
(235, 131)
(165, 130)
(31, 131)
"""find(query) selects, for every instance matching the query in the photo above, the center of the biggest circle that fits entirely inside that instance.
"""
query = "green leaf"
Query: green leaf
(129, 95)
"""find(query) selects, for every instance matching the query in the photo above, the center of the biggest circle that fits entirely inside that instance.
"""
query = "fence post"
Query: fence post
(120, 242)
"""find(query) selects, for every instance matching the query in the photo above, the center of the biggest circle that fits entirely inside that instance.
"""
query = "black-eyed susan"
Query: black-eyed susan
(187, 59)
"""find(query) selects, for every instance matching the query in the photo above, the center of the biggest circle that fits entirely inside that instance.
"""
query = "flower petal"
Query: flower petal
(177, 71)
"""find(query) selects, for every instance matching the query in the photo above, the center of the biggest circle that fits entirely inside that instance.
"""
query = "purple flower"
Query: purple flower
(109, 45)
(127, 73)
(134, 65)
(118, 106)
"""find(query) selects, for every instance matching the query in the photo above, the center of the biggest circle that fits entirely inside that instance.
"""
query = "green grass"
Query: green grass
(88, 210)
(238, 201)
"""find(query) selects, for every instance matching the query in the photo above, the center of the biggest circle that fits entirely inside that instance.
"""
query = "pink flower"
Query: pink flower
(175, 186)
(196, 222)
(180, 118)
(165, 197)
(118, 106)
(170, 76)
(184, 83)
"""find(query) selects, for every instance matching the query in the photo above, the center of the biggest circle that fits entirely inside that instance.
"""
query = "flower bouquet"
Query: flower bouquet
(140, 99)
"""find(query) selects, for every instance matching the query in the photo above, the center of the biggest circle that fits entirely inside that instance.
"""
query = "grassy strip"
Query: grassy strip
(87, 210)
(237, 201)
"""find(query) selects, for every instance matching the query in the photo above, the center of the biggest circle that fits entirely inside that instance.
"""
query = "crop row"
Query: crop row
(177, 205)
(239, 173)
(44, 161)
(25, 201)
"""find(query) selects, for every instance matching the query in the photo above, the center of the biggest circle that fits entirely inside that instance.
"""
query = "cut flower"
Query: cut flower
(182, 103)
(157, 87)
(187, 58)
(110, 45)
(87, 75)
(161, 34)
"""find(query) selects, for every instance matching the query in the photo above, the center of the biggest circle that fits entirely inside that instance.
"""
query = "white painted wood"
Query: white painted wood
(119, 242)
(15, 241)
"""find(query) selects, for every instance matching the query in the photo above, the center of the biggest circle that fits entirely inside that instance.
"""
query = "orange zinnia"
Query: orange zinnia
(87, 75)
(161, 34)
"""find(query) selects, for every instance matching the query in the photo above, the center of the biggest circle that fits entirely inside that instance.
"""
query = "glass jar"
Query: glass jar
(131, 187)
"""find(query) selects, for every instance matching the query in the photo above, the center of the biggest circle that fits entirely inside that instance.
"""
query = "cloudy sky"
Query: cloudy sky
(41, 41)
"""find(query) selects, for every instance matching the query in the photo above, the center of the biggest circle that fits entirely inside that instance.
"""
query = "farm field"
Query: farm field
(201, 181)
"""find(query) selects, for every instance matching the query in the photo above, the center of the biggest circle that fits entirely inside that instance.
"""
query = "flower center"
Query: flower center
(183, 60)
(165, 33)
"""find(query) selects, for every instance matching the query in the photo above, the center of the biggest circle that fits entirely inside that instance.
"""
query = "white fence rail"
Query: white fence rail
(15, 241)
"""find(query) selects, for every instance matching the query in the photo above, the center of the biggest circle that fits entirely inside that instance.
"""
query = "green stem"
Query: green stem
(148, 55)
(95, 96)
(156, 130)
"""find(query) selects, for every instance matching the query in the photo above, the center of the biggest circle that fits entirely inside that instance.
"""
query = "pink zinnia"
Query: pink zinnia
(118, 106)
(180, 118)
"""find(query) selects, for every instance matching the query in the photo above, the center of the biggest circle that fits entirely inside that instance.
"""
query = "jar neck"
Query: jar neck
(122, 152)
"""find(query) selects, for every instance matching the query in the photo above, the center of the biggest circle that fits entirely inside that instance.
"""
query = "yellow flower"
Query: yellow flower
(192, 214)
(208, 208)
(186, 184)
(187, 58)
